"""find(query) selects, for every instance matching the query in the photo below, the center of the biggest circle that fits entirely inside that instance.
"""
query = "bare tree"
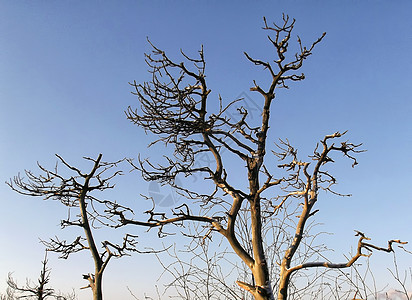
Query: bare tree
(39, 291)
(175, 107)
(76, 192)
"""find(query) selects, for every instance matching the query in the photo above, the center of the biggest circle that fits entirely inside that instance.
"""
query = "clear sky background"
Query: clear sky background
(64, 73)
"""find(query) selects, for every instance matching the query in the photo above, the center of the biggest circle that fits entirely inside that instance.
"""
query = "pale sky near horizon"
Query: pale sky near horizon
(64, 73)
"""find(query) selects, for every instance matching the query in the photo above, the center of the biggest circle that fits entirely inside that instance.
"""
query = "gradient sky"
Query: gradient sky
(64, 73)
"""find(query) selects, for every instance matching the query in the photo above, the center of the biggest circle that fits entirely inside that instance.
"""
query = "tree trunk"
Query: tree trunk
(283, 285)
(97, 287)
(263, 288)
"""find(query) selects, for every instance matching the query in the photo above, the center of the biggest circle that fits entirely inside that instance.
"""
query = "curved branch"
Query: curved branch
(361, 245)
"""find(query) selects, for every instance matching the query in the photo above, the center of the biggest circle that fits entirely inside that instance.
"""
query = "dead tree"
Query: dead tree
(39, 291)
(76, 192)
(175, 107)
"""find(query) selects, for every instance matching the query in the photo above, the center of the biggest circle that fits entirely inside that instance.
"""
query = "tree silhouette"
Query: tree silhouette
(176, 107)
(39, 291)
(76, 192)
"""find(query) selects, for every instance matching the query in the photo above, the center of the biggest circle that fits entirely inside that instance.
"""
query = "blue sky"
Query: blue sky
(64, 73)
